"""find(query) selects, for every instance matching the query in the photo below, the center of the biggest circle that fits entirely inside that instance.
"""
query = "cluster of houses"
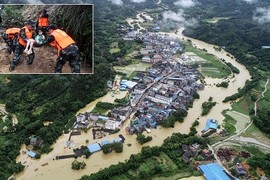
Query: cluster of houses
(168, 85)
(227, 155)
(191, 151)
(159, 47)
(117, 118)
(161, 90)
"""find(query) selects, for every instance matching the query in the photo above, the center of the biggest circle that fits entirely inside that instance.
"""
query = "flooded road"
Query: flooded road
(61, 169)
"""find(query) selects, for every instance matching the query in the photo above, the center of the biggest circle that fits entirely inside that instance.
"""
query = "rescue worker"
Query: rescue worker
(25, 33)
(10, 37)
(43, 22)
(67, 49)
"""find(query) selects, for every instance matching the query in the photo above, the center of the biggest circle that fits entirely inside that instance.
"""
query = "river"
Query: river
(61, 169)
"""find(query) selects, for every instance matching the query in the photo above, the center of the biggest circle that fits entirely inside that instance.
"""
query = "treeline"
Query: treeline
(262, 119)
(178, 115)
(171, 147)
(241, 92)
(223, 84)
(207, 106)
(262, 161)
(143, 139)
(108, 148)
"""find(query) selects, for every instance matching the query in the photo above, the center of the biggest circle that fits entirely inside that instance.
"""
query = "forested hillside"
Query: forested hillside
(240, 34)
(36, 99)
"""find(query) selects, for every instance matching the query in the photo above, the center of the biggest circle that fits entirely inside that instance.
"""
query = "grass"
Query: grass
(229, 124)
(162, 161)
(147, 25)
(133, 75)
(100, 111)
(253, 150)
(265, 102)
(132, 67)
(243, 105)
(176, 176)
(214, 67)
(255, 133)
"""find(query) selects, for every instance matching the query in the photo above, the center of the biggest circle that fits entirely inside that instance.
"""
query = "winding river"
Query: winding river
(61, 169)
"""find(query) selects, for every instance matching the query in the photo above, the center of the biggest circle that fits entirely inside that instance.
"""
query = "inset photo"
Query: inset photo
(46, 39)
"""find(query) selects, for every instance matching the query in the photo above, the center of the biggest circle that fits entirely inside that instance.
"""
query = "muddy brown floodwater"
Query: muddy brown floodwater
(61, 169)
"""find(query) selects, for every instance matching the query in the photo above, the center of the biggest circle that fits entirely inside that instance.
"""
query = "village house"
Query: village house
(121, 113)
(241, 171)
(36, 141)
(147, 59)
(207, 154)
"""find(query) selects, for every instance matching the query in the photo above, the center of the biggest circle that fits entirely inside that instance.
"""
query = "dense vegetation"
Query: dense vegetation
(233, 68)
(171, 148)
(143, 139)
(37, 99)
(262, 121)
(261, 161)
(176, 116)
(240, 34)
(108, 148)
(76, 165)
(207, 106)
(223, 84)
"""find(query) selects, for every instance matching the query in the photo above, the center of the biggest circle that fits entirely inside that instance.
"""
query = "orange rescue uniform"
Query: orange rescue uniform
(11, 32)
(28, 34)
(61, 40)
(43, 22)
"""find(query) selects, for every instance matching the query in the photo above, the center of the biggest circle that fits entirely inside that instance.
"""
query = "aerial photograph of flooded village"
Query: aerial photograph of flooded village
(180, 90)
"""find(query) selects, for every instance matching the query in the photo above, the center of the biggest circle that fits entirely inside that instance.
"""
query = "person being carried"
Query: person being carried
(67, 49)
(25, 34)
(30, 42)
(29, 46)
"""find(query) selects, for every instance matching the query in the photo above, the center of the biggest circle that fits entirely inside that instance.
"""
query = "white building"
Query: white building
(112, 124)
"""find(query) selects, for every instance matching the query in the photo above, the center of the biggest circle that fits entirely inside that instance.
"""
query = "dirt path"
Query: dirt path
(265, 89)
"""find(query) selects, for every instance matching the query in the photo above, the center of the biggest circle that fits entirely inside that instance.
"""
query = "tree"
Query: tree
(142, 139)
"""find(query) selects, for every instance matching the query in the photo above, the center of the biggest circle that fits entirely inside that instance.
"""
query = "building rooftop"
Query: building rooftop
(214, 171)
(31, 154)
(94, 147)
(104, 142)
(211, 124)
